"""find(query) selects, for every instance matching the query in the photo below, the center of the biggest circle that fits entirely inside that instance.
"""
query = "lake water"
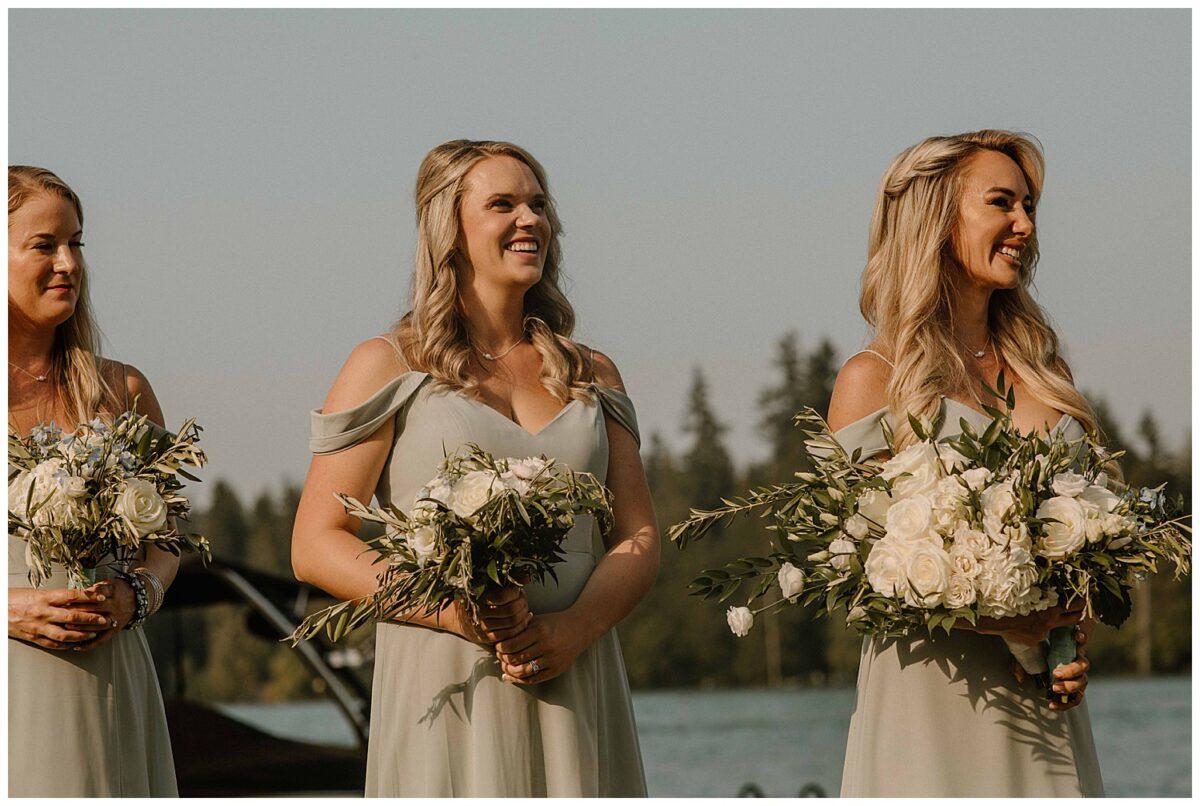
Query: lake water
(711, 743)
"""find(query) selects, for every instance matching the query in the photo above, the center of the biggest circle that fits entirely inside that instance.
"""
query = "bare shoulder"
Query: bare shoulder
(860, 389)
(136, 386)
(370, 366)
(605, 372)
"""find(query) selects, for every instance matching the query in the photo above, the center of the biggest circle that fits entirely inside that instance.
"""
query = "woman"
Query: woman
(85, 715)
(533, 701)
(951, 257)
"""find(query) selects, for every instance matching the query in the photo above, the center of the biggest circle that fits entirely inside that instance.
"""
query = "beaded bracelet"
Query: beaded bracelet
(141, 600)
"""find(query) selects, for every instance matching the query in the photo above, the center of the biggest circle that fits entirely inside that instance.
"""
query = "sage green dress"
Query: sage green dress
(84, 724)
(443, 723)
(944, 717)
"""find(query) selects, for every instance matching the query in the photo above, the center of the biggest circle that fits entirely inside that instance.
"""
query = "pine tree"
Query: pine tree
(707, 468)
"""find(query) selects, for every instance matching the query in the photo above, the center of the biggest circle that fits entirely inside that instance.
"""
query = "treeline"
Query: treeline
(672, 639)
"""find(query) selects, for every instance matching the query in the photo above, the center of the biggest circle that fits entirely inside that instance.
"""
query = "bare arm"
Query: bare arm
(326, 550)
(620, 580)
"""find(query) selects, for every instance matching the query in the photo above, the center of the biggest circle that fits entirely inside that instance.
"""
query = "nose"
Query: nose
(527, 216)
(66, 260)
(1022, 224)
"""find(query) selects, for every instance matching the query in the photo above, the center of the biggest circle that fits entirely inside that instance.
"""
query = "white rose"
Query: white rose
(952, 460)
(423, 543)
(1099, 499)
(928, 572)
(438, 490)
(740, 620)
(874, 505)
(857, 527)
(1067, 535)
(947, 500)
(976, 478)
(885, 568)
(1069, 484)
(74, 486)
(1093, 526)
(963, 562)
(1115, 524)
(909, 518)
(791, 581)
(842, 550)
(472, 491)
(971, 541)
(997, 501)
(960, 592)
(140, 505)
(920, 462)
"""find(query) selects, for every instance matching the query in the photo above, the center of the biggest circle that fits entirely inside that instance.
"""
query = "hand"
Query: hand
(503, 613)
(552, 640)
(1068, 679)
(58, 618)
(1033, 628)
(117, 604)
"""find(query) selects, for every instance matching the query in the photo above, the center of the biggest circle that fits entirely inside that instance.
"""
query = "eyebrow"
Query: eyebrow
(536, 196)
(1007, 191)
(52, 236)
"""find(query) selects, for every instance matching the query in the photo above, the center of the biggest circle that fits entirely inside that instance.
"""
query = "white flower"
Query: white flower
(1115, 524)
(74, 486)
(1069, 484)
(909, 518)
(920, 461)
(928, 573)
(528, 468)
(971, 541)
(1067, 535)
(1098, 499)
(472, 491)
(885, 568)
(952, 460)
(874, 505)
(857, 527)
(947, 500)
(791, 581)
(960, 592)
(514, 482)
(18, 494)
(842, 550)
(997, 501)
(740, 620)
(963, 561)
(976, 478)
(422, 541)
(140, 505)
(438, 490)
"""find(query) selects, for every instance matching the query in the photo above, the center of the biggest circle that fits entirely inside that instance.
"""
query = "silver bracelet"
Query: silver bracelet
(156, 589)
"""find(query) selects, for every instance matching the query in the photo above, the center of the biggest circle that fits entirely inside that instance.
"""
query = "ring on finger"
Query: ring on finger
(534, 666)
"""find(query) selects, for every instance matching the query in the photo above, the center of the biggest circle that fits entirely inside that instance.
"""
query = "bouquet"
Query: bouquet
(480, 522)
(94, 497)
(989, 523)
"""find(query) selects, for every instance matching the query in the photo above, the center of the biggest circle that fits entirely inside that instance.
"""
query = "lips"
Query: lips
(1012, 253)
(523, 246)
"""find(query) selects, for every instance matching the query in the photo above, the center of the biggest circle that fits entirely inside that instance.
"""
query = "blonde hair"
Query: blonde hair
(80, 386)
(908, 284)
(433, 334)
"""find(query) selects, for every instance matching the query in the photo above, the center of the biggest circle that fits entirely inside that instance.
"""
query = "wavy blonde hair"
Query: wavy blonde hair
(908, 284)
(75, 367)
(433, 335)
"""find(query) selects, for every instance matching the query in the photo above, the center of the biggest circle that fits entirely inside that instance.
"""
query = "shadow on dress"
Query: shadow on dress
(483, 668)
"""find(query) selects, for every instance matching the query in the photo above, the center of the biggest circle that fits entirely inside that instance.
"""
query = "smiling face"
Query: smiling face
(995, 221)
(503, 224)
(45, 260)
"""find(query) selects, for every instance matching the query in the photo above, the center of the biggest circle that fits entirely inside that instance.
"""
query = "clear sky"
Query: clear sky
(247, 181)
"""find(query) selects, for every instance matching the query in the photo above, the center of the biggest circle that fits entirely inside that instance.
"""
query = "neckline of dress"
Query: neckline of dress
(878, 413)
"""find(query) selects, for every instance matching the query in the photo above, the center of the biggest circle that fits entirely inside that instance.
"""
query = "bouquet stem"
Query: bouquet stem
(1032, 657)
(1061, 652)
(84, 582)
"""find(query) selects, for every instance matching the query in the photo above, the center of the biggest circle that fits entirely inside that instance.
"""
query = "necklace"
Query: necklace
(38, 378)
(491, 357)
(981, 352)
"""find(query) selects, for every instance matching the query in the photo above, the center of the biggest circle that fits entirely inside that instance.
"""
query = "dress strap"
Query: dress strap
(617, 405)
(879, 355)
(392, 343)
(340, 430)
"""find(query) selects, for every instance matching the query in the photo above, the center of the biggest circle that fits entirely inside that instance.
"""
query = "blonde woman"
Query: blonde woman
(952, 252)
(85, 715)
(534, 700)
